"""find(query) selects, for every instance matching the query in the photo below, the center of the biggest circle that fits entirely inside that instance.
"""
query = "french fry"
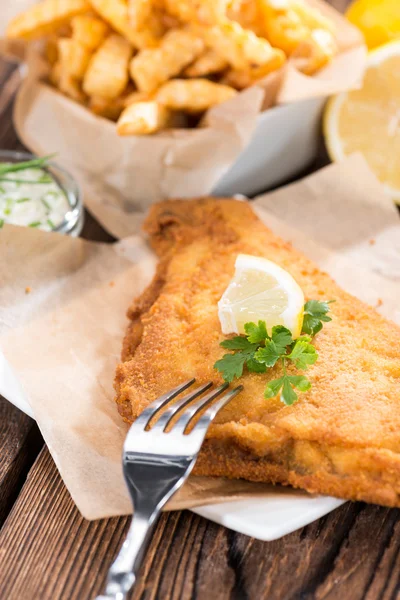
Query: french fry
(64, 30)
(248, 14)
(205, 12)
(241, 48)
(170, 22)
(74, 57)
(143, 118)
(45, 18)
(107, 74)
(207, 63)
(89, 31)
(115, 12)
(146, 16)
(241, 80)
(139, 12)
(316, 52)
(193, 95)
(135, 97)
(55, 74)
(108, 109)
(152, 67)
(69, 86)
(292, 24)
(51, 50)
(311, 17)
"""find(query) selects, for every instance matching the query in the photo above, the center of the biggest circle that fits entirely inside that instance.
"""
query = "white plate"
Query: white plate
(265, 519)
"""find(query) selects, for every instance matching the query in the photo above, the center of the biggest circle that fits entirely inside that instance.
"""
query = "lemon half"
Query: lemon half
(368, 120)
(261, 290)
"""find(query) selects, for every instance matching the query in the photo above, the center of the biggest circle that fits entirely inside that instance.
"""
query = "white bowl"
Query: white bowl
(284, 143)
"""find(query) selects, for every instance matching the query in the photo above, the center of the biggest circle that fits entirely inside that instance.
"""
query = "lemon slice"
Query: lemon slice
(368, 120)
(379, 21)
(261, 290)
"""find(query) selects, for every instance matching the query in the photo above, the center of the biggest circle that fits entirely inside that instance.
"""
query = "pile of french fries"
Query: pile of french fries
(155, 64)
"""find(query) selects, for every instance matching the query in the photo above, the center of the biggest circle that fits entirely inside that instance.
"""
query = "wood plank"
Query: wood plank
(352, 553)
(93, 231)
(59, 555)
(20, 442)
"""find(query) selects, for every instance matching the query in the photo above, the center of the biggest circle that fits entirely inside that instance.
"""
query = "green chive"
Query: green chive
(23, 180)
(29, 164)
(45, 203)
(35, 224)
(50, 223)
(9, 204)
(2, 190)
(45, 179)
(23, 200)
(1, 223)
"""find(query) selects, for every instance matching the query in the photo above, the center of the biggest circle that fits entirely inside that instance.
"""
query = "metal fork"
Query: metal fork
(157, 460)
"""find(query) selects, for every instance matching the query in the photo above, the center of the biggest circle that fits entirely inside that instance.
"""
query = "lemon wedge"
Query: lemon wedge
(379, 21)
(261, 290)
(368, 120)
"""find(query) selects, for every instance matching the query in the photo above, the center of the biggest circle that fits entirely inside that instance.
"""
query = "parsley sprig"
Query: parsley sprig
(259, 350)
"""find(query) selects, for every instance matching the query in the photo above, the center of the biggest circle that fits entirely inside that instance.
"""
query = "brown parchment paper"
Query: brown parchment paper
(120, 177)
(63, 339)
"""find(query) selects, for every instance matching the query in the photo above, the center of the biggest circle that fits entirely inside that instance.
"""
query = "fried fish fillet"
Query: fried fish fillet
(341, 438)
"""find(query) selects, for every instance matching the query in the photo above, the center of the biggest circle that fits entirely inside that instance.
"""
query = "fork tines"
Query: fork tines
(193, 409)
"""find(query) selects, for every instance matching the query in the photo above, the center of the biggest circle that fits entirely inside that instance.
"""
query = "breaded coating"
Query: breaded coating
(341, 438)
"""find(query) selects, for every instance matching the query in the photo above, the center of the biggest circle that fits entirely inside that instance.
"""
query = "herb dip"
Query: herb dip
(31, 197)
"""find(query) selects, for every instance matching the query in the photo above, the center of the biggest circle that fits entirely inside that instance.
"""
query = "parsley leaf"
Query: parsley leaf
(231, 366)
(238, 343)
(273, 387)
(256, 333)
(315, 312)
(287, 383)
(255, 367)
(276, 347)
(303, 354)
(269, 355)
(282, 337)
(300, 382)
(288, 395)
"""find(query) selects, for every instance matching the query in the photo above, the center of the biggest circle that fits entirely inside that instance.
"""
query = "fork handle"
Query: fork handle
(122, 574)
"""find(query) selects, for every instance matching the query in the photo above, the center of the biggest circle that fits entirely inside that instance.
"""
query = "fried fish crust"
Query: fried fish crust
(341, 438)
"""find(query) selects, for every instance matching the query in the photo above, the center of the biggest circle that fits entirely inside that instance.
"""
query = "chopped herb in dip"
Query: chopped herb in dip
(30, 196)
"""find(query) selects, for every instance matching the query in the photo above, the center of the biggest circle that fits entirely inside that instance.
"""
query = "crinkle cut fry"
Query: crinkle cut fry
(45, 18)
(115, 12)
(193, 95)
(204, 12)
(241, 48)
(107, 74)
(152, 67)
(143, 118)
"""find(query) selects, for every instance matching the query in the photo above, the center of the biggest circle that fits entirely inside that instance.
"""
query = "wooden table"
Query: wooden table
(48, 552)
